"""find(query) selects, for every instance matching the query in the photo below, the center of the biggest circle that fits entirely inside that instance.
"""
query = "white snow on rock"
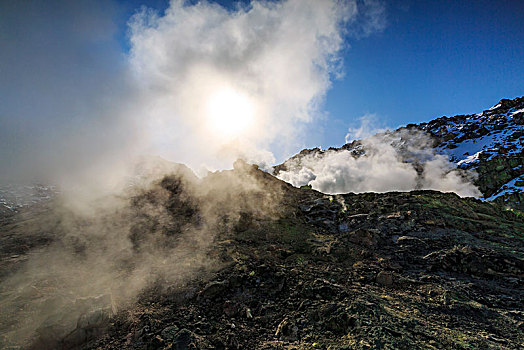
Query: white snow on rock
(509, 187)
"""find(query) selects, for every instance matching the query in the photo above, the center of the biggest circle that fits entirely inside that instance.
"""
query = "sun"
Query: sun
(230, 112)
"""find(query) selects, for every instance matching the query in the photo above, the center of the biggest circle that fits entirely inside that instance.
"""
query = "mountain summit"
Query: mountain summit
(486, 149)
(492, 144)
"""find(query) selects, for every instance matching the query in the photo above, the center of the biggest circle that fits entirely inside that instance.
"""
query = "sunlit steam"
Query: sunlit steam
(382, 167)
(218, 85)
(230, 113)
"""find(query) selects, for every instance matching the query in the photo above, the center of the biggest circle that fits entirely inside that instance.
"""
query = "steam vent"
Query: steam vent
(240, 259)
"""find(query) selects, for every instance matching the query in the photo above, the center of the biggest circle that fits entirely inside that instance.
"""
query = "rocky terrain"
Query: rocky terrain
(260, 264)
(490, 143)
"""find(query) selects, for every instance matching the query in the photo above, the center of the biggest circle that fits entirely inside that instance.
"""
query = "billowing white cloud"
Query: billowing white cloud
(76, 106)
(277, 57)
(368, 127)
(391, 161)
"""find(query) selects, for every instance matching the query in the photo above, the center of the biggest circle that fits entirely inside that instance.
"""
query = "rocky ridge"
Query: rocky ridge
(490, 143)
(293, 268)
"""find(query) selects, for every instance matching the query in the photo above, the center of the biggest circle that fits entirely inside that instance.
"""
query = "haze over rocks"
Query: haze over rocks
(479, 155)
(240, 259)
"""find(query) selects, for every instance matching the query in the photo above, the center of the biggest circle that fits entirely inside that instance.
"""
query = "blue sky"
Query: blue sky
(433, 58)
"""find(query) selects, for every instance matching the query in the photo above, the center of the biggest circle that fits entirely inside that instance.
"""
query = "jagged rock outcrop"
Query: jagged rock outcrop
(401, 270)
(490, 143)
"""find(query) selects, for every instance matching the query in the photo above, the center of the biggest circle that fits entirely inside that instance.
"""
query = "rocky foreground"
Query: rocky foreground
(269, 266)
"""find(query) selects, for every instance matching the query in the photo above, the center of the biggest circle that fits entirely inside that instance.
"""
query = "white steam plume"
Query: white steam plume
(392, 161)
(76, 107)
(275, 56)
(367, 128)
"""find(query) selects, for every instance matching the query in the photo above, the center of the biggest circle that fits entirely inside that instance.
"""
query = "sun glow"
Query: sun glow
(230, 113)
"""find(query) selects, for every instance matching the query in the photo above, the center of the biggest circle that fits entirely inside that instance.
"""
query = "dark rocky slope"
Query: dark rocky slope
(296, 269)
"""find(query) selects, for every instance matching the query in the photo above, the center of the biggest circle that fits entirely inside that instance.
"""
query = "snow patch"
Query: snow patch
(470, 159)
(508, 188)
